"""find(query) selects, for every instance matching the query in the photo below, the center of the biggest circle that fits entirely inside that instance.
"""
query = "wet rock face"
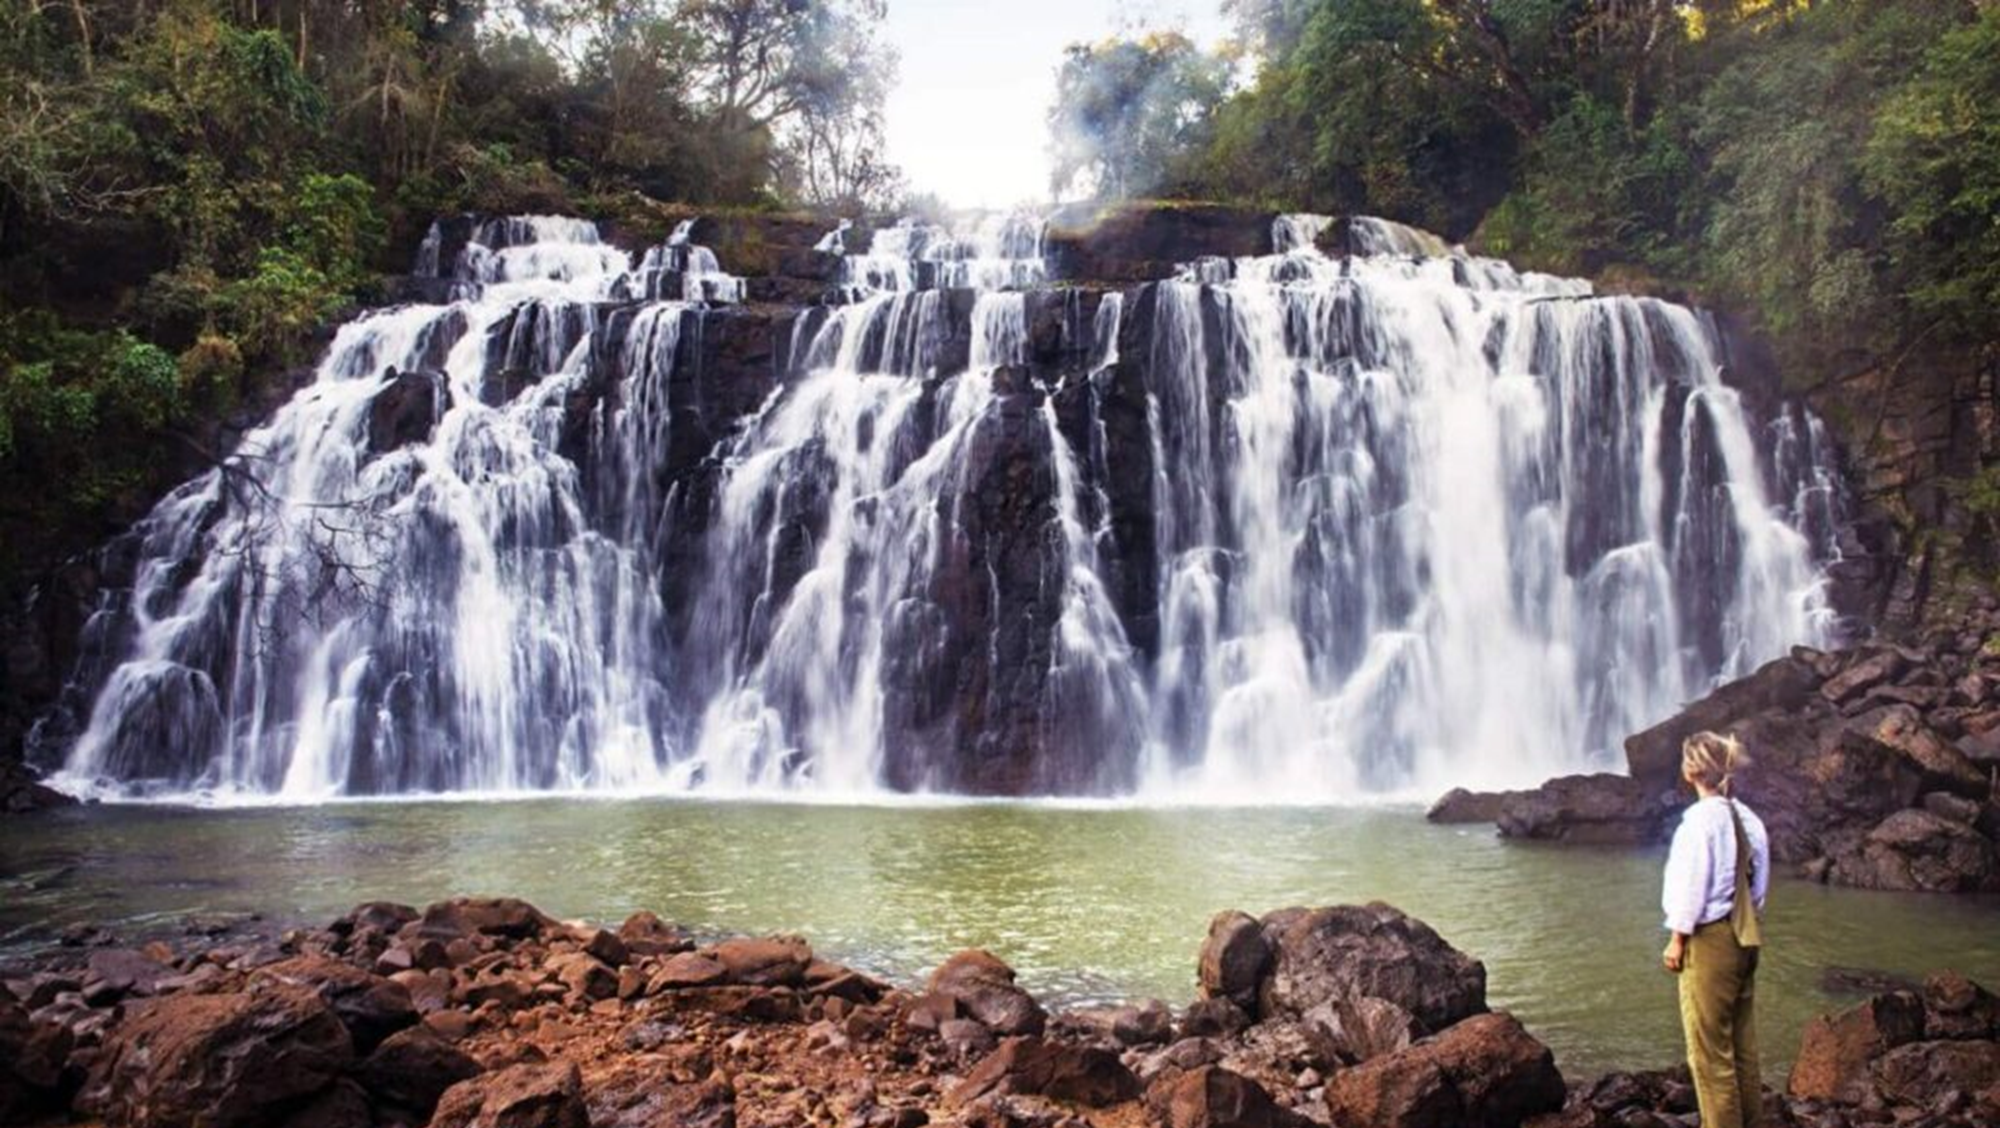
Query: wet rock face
(1141, 243)
(406, 410)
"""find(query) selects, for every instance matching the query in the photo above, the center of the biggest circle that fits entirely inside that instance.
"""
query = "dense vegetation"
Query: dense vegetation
(1831, 167)
(190, 188)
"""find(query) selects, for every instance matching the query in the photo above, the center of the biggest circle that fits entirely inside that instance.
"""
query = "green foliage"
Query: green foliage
(190, 189)
(1934, 158)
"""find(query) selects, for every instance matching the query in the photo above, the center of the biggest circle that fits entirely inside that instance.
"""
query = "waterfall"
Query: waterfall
(1430, 521)
(1296, 526)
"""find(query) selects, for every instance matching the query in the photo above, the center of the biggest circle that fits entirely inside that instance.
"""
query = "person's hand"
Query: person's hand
(1676, 953)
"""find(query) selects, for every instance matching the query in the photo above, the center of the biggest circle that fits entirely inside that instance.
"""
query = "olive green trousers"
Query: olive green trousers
(1718, 1013)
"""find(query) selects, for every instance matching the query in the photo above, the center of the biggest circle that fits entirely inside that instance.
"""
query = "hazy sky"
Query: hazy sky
(968, 120)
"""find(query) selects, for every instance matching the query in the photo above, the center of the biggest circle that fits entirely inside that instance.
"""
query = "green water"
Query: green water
(1087, 903)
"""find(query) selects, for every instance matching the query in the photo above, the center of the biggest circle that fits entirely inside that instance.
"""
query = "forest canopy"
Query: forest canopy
(189, 189)
(1830, 167)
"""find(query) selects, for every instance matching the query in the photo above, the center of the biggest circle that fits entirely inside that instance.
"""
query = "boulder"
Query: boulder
(464, 917)
(645, 934)
(1925, 1074)
(1277, 1052)
(114, 973)
(649, 1092)
(23, 792)
(1213, 1018)
(981, 987)
(1654, 755)
(1031, 1066)
(32, 1057)
(339, 1105)
(1233, 959)
(779, 961)
(1956, 1007)
(1835, 1050)
(1862, 673)
(237, 1060)
(585, 976)
(530, 1095)
(1917, 850)
(1461, 806)
(1600, 808)
(1484, 1072)
(687, 969)
(1368, 1027)
(1209, 1096)
(1942, 766)
(1352, 952)
(412, 1069)
(378, 916)
(371, 1007)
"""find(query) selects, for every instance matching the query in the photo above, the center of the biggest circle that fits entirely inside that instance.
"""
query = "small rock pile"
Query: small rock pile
(1876, 767)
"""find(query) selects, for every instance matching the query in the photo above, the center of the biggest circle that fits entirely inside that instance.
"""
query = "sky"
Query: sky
(968, 120)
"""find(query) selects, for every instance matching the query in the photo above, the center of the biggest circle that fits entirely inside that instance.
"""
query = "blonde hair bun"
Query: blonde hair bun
(1713, 759)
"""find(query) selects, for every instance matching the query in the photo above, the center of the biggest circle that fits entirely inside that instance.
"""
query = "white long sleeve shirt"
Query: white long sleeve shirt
(1700, 885)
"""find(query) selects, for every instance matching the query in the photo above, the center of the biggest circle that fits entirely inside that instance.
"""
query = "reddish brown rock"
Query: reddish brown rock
(645, 934)
(32, 1056)
(1917, 850)
(1461, 806)
(1941, 764)
(236, 1060)
(1485, 1072)
(114, 973)
(464, 917)
(1588, 809)
(413, 1068)
(688, 969)
(1835, 1050)
(1351, 952)
(1926, 1075)
(778, 961)
(370, 1006)
(1956, 1007)
(981, 987)
(646, 1092)
(1233, 959)
(530, 1095)
(1209, 1096)
(1031, 1066)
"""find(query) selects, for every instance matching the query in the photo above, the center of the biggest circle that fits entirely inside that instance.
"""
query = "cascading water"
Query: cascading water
(396, 585)
(1432, 521)
(1290, 527)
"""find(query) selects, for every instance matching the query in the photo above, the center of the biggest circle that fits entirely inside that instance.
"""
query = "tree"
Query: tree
(1129, 113)
(1934, 158)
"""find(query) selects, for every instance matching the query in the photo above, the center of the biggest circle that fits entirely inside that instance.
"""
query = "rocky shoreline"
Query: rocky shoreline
(487, 1013)
(1876, 767)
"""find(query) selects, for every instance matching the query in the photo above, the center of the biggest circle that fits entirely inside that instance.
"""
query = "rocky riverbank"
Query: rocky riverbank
(486, 1013)
(1876, 767)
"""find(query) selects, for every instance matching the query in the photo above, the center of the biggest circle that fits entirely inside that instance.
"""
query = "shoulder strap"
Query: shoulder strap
(1743, 912)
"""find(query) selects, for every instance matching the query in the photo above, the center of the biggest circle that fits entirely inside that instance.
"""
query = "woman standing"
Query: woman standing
(1717, 875)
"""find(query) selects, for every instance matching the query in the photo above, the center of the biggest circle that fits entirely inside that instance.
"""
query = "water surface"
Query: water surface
(1088, 903)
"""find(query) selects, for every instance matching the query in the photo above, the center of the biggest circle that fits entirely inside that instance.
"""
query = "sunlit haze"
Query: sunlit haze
(968, 121)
